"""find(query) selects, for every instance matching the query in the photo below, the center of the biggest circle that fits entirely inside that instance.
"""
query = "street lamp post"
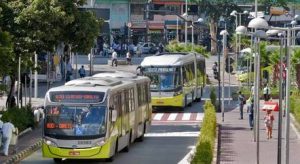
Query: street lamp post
(238, 23)
(224, 33)
(257, 23)
(185, 23)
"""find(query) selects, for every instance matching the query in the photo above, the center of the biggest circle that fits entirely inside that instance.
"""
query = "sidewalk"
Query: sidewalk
(26, 144)
(237, 144)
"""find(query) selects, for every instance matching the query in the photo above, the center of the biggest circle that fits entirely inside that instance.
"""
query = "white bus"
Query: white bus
(142, 94)
(90, 118)
(177, 79)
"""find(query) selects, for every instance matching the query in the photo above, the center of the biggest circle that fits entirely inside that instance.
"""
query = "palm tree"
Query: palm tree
(295, 61)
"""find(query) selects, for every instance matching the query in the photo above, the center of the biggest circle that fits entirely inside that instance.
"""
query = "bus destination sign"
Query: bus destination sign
(160, 69)
(77, 97)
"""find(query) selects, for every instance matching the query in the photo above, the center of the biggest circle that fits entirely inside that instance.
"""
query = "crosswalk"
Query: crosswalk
(181, 118)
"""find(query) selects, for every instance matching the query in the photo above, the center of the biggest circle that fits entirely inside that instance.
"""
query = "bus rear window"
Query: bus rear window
(77, 97)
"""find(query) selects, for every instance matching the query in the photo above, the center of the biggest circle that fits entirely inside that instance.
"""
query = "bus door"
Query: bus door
(124, 116)
(118, 107)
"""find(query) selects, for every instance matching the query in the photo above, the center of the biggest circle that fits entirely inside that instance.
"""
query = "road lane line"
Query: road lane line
(158, 116)
(199, 116)
(172, 116)
(173, 134)
(186, 116)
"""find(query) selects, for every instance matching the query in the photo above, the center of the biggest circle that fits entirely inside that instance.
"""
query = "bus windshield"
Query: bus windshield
(167, 80)
(75, 122)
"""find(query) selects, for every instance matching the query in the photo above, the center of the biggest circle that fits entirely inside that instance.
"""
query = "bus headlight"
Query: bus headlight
(98, 143)
(50, 143)
(177, 93)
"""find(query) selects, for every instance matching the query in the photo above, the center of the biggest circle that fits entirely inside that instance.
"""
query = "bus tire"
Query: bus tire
(110, 159)
(57, 160)
(141, 138)
(126, 149)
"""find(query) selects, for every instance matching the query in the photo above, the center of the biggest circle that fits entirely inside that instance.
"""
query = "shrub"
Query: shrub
(22, 118)
(212, 96)
(295, 103)
(205, 146)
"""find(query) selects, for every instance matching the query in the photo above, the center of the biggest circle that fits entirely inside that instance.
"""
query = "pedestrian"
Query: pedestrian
(250, 111)
(268, 119)
(81, 72)
(7, 130)
(128, 58)
(266, 92)
(242, 102)
(114, 58)
(69, 71)
(215, 70)
(1, 125)
(161, 47)
(252, 90)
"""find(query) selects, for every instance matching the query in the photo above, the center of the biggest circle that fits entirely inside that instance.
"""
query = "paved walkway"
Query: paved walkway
(237, 140)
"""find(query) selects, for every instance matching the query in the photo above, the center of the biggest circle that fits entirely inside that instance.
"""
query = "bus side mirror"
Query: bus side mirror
(114, 115)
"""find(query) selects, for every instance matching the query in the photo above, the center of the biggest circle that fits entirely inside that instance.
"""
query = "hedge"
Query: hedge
(206, 140)
(295, 106)
(22, 118)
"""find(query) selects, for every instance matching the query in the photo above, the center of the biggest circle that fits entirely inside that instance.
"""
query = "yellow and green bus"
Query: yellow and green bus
(93, 118)
(177, 79)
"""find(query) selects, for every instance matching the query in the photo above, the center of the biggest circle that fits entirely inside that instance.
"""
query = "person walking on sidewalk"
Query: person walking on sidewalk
(266, 92)
(250, 111)
(268, 119)
(128, 58)
(7, 130)
(242, 102)
(114, 59)
(81, 72)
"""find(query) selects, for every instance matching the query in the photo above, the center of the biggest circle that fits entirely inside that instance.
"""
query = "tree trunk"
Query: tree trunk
(298, 75)
(213, 34)
(11, 93)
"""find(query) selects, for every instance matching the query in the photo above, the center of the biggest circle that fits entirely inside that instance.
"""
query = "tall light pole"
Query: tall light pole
(224, 33)
(281, 35)
(238, 18)
(185, 23)
(257, 23)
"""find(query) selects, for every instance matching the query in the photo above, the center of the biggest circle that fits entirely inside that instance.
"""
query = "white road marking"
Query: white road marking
(158, 116)
(188, 157)
(186, 116)
(199, 116)
(172, 116)
(173, 134)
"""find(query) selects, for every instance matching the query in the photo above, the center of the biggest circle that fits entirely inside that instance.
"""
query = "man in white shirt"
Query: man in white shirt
(266, 93)
(7, 130)
(114, 60)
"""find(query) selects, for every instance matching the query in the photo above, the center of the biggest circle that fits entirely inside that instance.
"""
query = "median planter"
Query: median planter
(206, 141)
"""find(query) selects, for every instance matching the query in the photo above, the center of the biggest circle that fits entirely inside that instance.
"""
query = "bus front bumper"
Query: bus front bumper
(175, 101)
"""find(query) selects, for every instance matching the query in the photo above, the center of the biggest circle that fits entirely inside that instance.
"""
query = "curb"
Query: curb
(217, 146)
(24, 132)
(295, 125)
(23, 154)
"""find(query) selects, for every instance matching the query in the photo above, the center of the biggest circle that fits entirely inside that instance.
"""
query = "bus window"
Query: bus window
(73, 122)
(167, 81)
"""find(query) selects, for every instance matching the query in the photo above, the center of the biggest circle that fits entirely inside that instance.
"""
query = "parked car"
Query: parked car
(148, 48)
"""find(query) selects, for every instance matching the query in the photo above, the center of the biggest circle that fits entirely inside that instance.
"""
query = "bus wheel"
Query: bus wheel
(126, 149)
(141, 138)
(57, 160)
(110, 159)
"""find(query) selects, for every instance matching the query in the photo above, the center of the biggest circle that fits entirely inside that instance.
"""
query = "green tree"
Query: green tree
(212, 10)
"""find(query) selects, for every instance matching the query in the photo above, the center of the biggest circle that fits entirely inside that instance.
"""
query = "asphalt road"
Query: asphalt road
(165, 144)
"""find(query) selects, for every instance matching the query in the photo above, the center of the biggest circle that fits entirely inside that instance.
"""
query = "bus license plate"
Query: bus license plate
(160, 102)
(74, 153)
